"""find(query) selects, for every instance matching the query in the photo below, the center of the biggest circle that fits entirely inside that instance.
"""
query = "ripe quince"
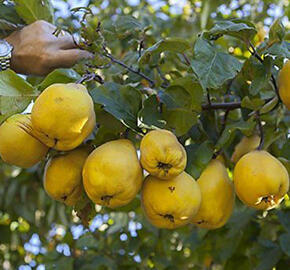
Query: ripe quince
(112, 174)
(18, 146)
(63, 116)
(284, 84)
(172, 203)
(162, 155)
(218, 197)
(63, 176)
(246, 145)
(260, 180)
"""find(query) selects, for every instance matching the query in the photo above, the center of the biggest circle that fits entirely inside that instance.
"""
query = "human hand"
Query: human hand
(38, 51)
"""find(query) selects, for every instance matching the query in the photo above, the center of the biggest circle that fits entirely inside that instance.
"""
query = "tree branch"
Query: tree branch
(114, 60)
(225, 106)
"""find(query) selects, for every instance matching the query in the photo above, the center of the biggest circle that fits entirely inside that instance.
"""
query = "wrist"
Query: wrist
(5, 54)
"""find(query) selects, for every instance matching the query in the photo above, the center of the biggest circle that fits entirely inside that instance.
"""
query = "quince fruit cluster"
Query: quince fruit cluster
(112, 175)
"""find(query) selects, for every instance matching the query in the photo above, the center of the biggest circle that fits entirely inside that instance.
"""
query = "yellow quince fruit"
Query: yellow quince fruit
(246, 145)
(260, 180)
(17, 144)
(218, 197)
(62, 178)
(284, 84)
(162, 155)
(112, 174)
(172, 203)
(63, 116)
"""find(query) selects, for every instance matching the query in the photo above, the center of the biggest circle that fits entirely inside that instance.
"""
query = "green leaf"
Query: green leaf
(271, 135)
(5, 234)
(241, 29)
(253, 104)
(176, 45)
(127, 23)
(180, 120)
(149, 116)
(240, 220)
(51, 213)
(33, 10)
(245, 127)
(10, 193)
(193, 88)
(60, 264)
(281, 49)
(198, 156)
(284, 218)
(175, 97)
(59, 76)
(286, 163)
(9, 14)
(285, 151)
(62, 215)
(277, 32)
(269, 258)
(284, 240)
(15, 94)
(109, 129)
(99, 261)
(87, 241)
(6, 28)
(269, 106)
(123, 102)
(9, 19)
(238, 262)
(212, 67)
(259, 74)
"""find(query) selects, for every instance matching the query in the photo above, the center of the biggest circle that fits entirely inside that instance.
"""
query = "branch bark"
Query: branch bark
(225, 106)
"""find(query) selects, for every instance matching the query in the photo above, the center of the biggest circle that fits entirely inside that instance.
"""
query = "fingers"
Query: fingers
(67, 58)
(65, 41)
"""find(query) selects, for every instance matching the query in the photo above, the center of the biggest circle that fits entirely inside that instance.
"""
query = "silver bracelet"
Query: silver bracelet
(4, 64)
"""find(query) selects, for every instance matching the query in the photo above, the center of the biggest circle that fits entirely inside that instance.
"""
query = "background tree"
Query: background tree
(204, 69)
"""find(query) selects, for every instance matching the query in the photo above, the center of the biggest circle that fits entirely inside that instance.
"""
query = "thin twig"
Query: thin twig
(186, 59)
(254, 52)
(114, 60)
(90, 77)
(208, 96)
(276, 87)
(140, 47)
